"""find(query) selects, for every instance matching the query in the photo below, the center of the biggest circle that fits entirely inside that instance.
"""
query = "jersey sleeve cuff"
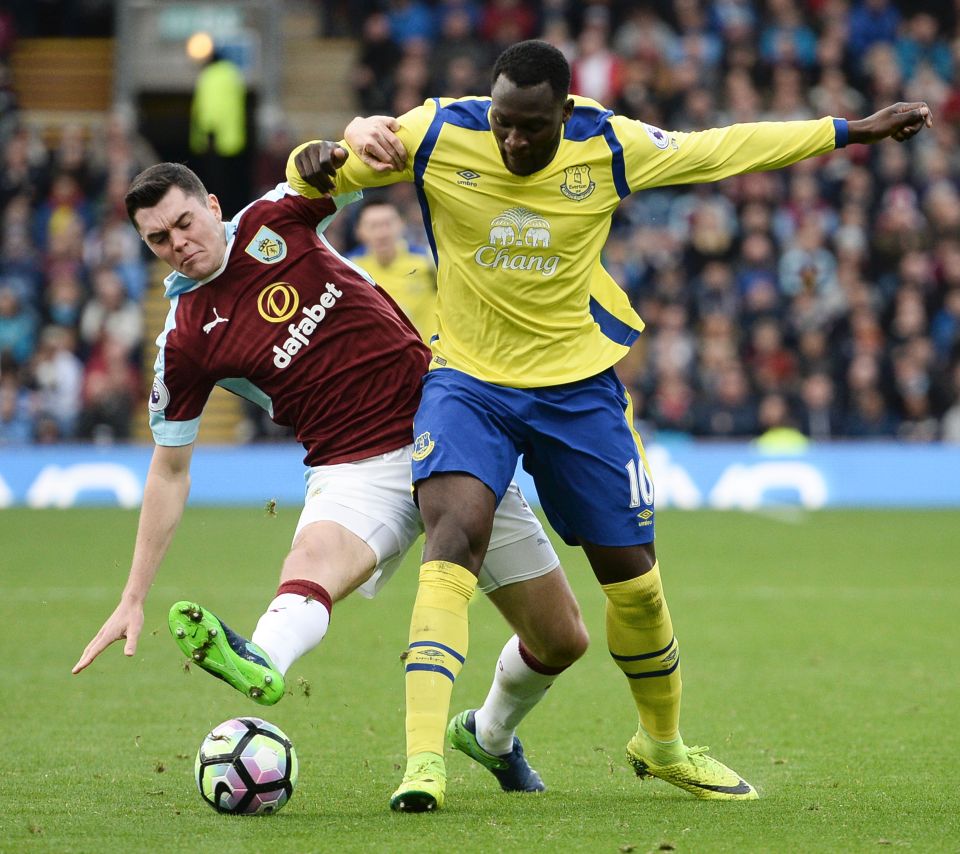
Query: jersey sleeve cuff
(841, 133)
(173, 434)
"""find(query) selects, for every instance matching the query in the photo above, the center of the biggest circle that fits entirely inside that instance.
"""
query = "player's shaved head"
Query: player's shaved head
(152, 184)
(529, 104)
(532, 62)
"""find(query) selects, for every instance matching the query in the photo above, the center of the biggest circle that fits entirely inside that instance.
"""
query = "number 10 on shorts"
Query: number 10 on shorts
(641, 486)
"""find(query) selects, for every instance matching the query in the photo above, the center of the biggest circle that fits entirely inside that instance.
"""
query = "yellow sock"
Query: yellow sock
(438, 647)
(641, 640)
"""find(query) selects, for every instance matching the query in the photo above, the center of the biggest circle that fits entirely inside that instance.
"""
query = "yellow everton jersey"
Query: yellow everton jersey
(410, 278)
(523, 300)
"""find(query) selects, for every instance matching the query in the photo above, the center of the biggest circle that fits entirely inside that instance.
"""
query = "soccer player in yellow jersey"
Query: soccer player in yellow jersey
(517, 192)
(405, 272)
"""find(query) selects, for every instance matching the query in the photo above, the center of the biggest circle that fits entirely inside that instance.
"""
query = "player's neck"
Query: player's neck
(386, 255)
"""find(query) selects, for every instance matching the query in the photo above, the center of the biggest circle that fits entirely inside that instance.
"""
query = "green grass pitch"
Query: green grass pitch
(821, 660)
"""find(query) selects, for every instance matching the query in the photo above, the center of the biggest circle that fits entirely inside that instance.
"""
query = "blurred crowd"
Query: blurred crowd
(822, 300)
(72, 277)
(72, 270)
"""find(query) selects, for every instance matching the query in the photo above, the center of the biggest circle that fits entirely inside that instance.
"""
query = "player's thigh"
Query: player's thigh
(371, 501)
(589, 466)
(332, 555)
(464, 425)
(519, 548)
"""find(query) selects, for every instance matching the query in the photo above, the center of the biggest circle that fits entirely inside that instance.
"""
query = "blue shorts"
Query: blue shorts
(577, 442)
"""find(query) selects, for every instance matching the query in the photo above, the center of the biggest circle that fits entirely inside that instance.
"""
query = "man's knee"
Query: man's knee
(564, 644)
(574, 642)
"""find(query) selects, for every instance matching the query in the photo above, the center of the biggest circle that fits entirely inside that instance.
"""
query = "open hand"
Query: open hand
(125, 622)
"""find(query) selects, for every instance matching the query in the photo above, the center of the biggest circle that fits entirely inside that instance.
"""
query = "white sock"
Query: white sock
(516, 689)
(291, 626)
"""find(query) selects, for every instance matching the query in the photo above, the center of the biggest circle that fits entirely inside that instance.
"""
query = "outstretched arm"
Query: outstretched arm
(655, 158)
(164, 497)
(900, 121)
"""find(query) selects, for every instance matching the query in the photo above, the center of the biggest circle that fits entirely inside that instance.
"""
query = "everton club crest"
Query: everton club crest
(576, 182)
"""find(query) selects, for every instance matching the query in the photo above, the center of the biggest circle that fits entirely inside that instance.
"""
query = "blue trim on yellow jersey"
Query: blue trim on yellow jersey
(842, 131)
(420, 161)
(617, 165)
(586, 123)
(614, 328)
(472, 115)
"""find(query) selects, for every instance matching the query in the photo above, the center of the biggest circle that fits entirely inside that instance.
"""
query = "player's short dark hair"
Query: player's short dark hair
(153, 183)
(532, 62)
(376, 202)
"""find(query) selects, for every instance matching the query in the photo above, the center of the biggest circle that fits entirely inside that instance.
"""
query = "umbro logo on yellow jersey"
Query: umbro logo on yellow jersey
(468, 178)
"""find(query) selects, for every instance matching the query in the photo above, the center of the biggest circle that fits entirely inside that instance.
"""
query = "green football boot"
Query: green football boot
(423, 785)
(700, 775)
(212, 645)
(512, 770)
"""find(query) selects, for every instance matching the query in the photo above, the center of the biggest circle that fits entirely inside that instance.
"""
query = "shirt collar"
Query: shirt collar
(176, 283)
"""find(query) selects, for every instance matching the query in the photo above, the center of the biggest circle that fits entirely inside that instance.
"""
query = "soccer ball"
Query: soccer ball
(246, 766)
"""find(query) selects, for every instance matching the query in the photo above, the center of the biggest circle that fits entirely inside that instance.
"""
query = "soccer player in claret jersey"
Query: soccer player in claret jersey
(264, 307)
(517, 191)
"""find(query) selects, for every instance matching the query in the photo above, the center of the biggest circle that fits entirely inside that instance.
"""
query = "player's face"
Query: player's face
(379, 228)
(186, 232)
(527, 122)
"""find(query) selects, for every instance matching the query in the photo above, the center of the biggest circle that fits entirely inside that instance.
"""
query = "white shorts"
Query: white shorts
(373, 499)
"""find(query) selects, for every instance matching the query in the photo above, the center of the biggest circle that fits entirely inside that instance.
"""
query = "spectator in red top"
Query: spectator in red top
(507, 21)
(773, 366)
(597, 72)
(111, 387)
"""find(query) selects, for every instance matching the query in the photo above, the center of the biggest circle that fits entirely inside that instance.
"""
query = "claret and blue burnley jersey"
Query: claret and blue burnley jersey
(289, 324)
(523, 300)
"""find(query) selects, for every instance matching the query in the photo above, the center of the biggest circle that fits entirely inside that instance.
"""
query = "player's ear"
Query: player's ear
(567, 109)
(214, 204)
